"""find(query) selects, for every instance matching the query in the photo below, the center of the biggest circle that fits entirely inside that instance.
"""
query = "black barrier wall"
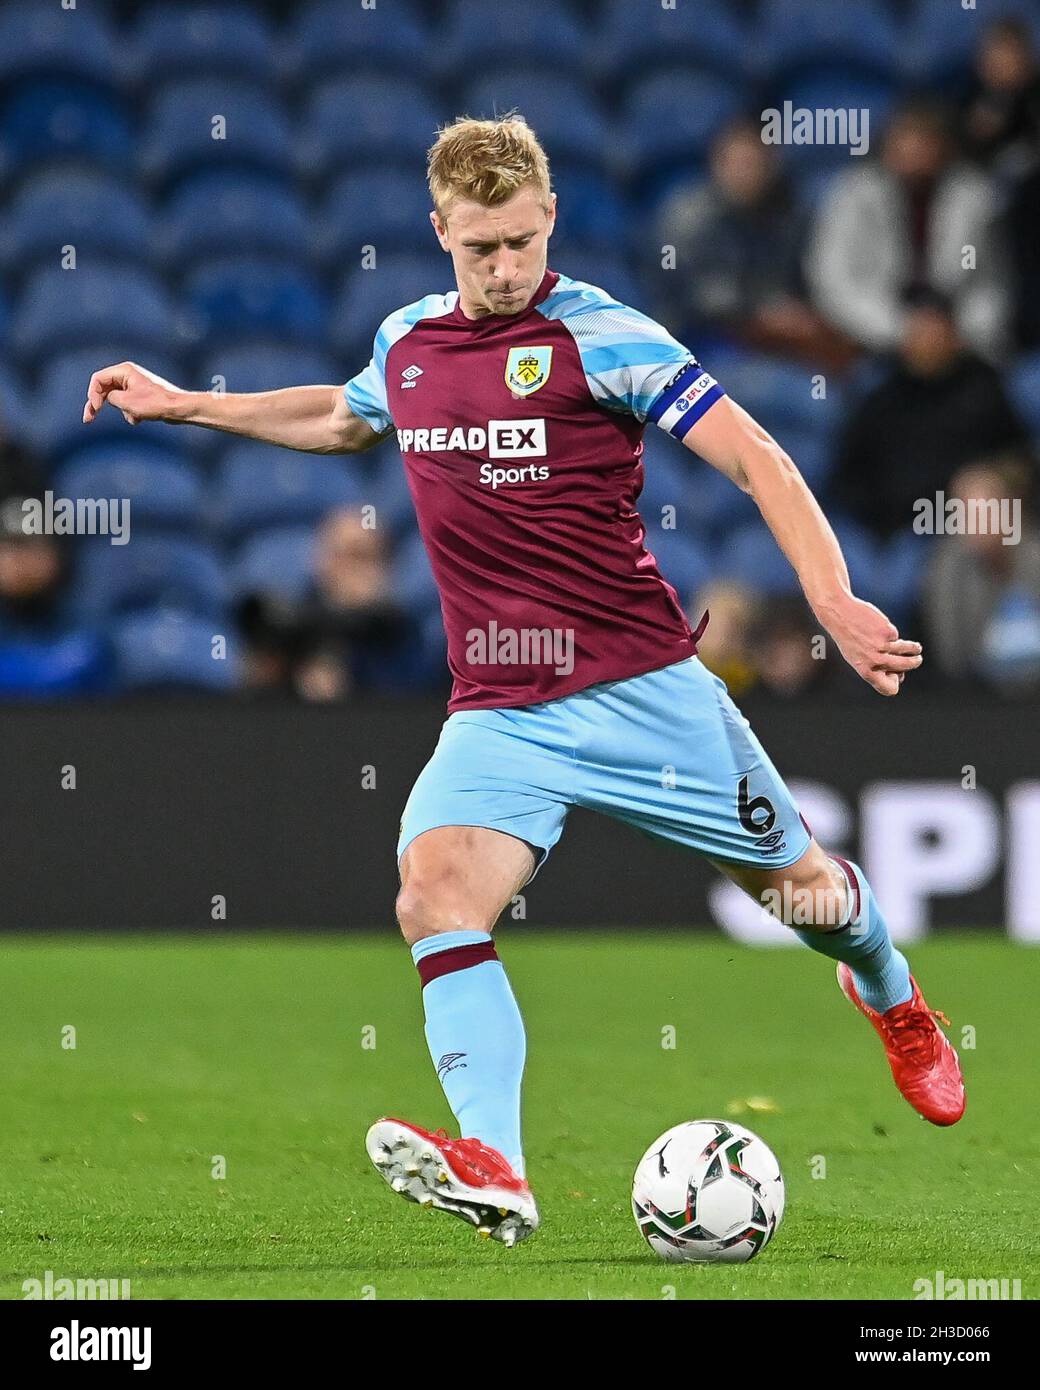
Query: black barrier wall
(164, 815)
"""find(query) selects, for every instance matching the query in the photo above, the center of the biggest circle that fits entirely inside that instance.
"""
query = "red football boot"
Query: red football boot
(923, 1061)
(461, 1176)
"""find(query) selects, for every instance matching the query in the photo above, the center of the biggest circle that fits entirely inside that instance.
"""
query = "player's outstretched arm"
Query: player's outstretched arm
(728, 438)
(312, 419)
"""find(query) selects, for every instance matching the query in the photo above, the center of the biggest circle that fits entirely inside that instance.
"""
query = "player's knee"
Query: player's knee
(425, 911)
(810, 895)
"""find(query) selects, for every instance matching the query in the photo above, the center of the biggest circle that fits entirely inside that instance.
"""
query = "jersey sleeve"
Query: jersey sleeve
(632, 363)
(366, 395)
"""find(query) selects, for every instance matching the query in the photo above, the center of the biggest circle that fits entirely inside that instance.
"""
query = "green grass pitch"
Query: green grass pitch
(252, 1048)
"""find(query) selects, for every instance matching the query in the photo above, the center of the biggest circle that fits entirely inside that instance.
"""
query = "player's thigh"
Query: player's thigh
(459, 878)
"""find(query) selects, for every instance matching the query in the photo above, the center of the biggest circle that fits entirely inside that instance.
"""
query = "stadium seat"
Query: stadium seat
(864, 557)
(188, 40)
(684, 561)
(54, 42)
(269, 367)
(900, 573)
(476, 35)
(837, 88)
(388, 486)
(669, 472)
(385, 208)
(262, 486)
(782, 395)
(608, 271)
(559, 106)
(369, 121)
(412, 582)
(151, 572)
(237, 296)
(67, 120)
(279, 561)
(1024, 382)
(750, 556)
(14, 405)
(718, 504)
(52, 665)
(590, 211)
(670, 119)
(331, 37)
(212, 212)
(94, 211)
(59, 309)
(168, 649)
(54, 413)
(180, 130)
(796, 35)
(163, 490)
(366, 297)
(632, 39)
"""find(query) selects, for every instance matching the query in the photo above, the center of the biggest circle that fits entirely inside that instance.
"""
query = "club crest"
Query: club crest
(527, 369)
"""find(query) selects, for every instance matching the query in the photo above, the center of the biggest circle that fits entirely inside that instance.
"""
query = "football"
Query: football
(708, 1192)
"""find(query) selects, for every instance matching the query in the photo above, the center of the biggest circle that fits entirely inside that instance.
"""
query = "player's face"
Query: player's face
(499, 253)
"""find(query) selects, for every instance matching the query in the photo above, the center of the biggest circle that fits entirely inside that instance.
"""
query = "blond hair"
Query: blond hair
(486, 161)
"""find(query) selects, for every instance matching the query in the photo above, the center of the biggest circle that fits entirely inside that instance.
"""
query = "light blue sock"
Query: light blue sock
(881, 973)
(475, 1035)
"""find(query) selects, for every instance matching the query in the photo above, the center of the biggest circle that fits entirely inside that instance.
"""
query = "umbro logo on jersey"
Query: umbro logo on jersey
(408, 376)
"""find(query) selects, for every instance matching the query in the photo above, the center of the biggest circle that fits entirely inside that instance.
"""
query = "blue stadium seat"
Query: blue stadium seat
(412, 582)
(632, 39)
(94, 211)
(934, 49)
(51, 41)
(180, 130)
(718, 504)
(14, 405)
(590, 210)
(59, 309)
(385, 208)
(279, 561)
(188, 40)
(900, 573)
(1024, 382)
(214, 212)
(750, 556)
(839, 88)
(475, 35)
(260, 296)
(780, 395)
(261, 486)
(167, 649)
(367, 120)
(863, 555)
(560, 107)
(684, 561)
(671, 117)
(150, 572)
(163, 490)
(52, 665)
(54, 413)
(389, 490)
(331, 37)
(65, 120)
(670, 473)
(368, 296)
(269, 367)
(795, 35)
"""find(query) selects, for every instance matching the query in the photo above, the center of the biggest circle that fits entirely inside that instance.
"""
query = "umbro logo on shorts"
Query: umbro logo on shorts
(451, 1061)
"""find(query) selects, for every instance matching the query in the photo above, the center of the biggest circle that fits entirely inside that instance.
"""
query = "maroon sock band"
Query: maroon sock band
(455, 958)
(851, 875)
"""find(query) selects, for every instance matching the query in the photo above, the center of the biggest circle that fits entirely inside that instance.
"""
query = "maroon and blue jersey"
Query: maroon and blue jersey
(522, 439)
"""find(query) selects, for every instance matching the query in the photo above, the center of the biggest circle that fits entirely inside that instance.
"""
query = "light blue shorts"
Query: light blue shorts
(667, 752)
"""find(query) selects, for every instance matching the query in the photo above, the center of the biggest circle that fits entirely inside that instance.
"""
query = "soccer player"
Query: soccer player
(519, 402)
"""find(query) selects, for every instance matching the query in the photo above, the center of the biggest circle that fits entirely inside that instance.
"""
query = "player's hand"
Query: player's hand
(871, 644)
(137, 392)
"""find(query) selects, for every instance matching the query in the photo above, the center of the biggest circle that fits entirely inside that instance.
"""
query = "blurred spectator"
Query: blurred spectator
(788, 662)
(345, 634)
(41, 654)
(727, 644)
(904, 221)
(981, 601)
(939, 407)
(1001, 118)
(740, 240)
(1023, 238)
